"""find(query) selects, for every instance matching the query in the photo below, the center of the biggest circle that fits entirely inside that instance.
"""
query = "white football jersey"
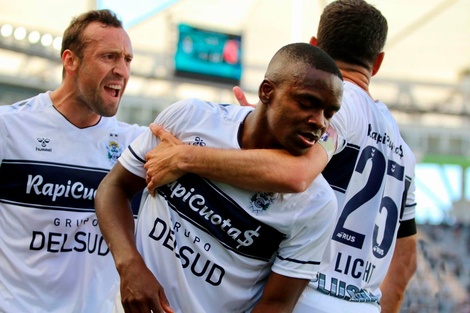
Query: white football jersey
(212, 245)
(53, 256)
(372, 174)
(36, 102)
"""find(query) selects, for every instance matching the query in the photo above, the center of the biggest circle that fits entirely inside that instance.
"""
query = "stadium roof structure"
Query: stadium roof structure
(425, 77)
(429, 40)
(426, 67)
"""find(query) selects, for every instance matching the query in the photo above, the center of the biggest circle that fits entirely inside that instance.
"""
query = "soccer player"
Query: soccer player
(203, 246)
(372, 253)
(55, 149)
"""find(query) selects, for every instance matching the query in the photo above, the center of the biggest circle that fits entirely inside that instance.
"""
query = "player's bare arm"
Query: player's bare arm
(140, 290)
(258, 169)
(280, 294)
(401, 269)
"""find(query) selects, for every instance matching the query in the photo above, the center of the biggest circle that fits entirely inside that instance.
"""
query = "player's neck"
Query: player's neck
(355, 74)
(65, 103)
(252, 133)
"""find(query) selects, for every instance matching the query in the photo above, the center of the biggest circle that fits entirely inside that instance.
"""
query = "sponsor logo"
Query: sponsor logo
(43, 142)
(189, 255)
(202, 204)
(345, 282)
(74, 189)
(198, 142)
(198, 203)
(385, 140)
(343, 290)
(49, 185)
(80, 241)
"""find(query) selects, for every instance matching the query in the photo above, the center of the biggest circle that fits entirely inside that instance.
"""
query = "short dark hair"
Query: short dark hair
(304, 53)
(352, 31)
(73, 36)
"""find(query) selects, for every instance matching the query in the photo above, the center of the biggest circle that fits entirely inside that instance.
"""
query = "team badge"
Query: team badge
(261, 201)
(114, 151)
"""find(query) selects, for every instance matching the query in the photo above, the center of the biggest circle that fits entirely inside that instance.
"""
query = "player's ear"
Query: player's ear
(265, 91)
(314, 41)
(377, 63)
(70, 61)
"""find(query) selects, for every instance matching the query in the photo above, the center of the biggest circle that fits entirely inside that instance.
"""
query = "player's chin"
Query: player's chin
(299, 147)
(111, 104)
(109, 110)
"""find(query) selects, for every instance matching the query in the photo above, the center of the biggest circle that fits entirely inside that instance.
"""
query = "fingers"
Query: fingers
(151, 186)
(240, 96)
(165, 304)
(152, 304)
(161, 133)
(157, 130)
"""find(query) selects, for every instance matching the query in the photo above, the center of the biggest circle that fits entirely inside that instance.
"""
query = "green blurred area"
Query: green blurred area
(446, 159)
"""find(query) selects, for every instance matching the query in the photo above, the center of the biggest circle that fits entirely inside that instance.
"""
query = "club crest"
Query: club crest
(261, 201)
(114, 151)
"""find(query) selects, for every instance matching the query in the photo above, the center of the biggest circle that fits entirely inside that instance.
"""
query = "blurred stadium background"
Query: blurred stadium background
(202, 48)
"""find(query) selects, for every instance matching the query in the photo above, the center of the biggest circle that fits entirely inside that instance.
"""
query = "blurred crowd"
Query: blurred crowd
(442, 281)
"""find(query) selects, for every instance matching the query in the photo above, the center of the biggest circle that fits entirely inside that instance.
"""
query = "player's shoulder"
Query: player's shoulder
(201, 109)
(129, 127)
(124, 129)
(320, 187)
(36, 102)
(354, 106)
(317, 205)
(319, 195)
(199, 104)
(354, 96)
(133, 130)
(351, 89)
(192, 103)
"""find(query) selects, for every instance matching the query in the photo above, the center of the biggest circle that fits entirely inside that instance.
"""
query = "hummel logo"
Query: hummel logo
(43, 141)
(198, 142)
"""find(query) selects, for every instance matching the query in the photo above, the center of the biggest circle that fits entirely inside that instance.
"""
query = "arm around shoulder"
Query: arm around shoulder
(267, 170)
(257, 169)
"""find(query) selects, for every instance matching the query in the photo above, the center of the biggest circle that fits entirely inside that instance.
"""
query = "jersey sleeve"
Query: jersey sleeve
(329, 141)
(344, 120)
(3, 137)
(299, 255)
(173, 118)
(409, 197)
(40, 101)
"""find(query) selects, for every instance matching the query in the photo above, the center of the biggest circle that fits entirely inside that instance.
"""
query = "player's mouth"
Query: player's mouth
(309, 138)
(113, 90)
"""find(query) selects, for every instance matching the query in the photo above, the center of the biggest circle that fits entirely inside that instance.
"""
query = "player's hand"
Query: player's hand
(141, 292)
(161, 161)
(240, 96)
